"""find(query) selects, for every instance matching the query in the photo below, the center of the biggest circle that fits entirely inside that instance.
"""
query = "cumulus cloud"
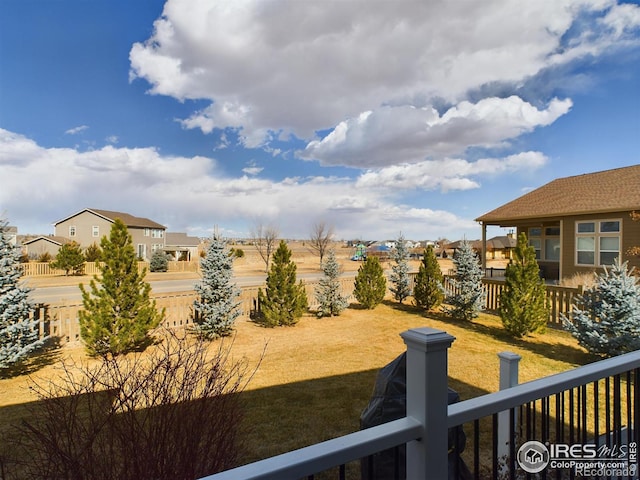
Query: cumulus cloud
(391, 135)
(270, 68)
(448, 174)
(191, 193)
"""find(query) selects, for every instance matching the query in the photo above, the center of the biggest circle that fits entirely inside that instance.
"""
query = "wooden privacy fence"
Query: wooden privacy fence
(559, 299)
(43, 269)
(61, 320)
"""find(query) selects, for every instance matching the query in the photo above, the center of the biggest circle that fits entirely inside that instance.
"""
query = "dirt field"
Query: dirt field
(252, 265)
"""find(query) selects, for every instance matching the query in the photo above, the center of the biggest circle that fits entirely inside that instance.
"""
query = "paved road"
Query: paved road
(71, 293)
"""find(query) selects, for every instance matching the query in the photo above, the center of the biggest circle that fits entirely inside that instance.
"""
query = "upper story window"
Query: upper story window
(597, 242)
(157, 233)
(95, 231)
(72, 231)
(146, 232)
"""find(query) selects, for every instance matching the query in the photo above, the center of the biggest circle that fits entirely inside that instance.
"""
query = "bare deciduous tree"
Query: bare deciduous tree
(264, 239)
(320, 239)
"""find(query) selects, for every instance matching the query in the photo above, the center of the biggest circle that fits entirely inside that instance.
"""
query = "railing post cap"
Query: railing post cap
(427, 338)
(509, 356)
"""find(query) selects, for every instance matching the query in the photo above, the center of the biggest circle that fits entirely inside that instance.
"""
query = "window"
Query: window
(146, 232)
(597, 242)
(157, 233)
(142, 251)
(552, 244)
(535, 241)
(72, 231)
(95, 231)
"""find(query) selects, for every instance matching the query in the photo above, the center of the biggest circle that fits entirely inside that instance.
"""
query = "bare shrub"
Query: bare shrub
(171, 412)
(585, 279)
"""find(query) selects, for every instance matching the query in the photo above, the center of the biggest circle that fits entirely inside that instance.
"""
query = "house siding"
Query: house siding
(567, 267)
(40, 246)
(84, 223)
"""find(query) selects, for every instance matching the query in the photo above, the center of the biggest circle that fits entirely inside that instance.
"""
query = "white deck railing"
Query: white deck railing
(425, 428)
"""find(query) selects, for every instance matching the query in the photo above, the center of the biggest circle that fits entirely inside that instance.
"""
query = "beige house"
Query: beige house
(38, 246)
(576, 224)
(88, 226)
(181, 246)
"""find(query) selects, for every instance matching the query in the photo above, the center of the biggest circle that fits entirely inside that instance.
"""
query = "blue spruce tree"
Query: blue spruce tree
(329, 290)
(19, 334)
(607, 320)
(468, 297)
(399, 277)
(217, 309)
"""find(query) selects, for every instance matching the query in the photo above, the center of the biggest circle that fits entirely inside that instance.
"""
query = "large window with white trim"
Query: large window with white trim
(598, 242)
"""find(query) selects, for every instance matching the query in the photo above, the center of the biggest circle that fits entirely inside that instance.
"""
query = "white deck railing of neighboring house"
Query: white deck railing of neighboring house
(572, 396)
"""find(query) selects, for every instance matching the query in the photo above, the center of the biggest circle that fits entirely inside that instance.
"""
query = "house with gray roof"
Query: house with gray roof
(181, 246)
(576, 224)
(88, 226)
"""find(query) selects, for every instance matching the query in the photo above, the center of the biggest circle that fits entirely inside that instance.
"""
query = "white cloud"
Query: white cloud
(392, 135)
(76, 130)
(112, 139)
(448, 174)
(299, 67)
(41, 185)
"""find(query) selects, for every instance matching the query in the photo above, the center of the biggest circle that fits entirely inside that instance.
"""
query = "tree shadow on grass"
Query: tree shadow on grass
(48, 354)
(549, 349)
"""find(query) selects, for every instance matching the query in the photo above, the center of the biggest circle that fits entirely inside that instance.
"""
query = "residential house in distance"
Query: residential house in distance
(36, 247)
(576, 224)
(11, 233)
(88, 226)
(181, 246)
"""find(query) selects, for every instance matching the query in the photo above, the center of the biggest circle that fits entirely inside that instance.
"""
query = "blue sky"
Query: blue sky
(378, 118)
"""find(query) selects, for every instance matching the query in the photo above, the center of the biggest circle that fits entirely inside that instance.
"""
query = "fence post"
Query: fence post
(427, 400)
(508, 378)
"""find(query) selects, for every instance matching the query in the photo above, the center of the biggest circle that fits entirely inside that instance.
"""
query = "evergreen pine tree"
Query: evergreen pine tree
(93, 253)
(468, 297)
(399, 277)
(118, 313)
(284, 301)
(428, 292)
(329, 290)
(217, 308)
(370, 284)
(70, 259)
(607, 320)
(19, 334)
(523, 307)
(159, 262)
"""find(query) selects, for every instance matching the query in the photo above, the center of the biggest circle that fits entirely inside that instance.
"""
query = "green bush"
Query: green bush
(370, 284)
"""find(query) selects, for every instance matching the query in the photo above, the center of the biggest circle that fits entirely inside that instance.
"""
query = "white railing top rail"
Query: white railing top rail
(491, 403)
(323, 456)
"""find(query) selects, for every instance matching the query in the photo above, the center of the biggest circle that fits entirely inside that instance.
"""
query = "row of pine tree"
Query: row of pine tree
(119, 315)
